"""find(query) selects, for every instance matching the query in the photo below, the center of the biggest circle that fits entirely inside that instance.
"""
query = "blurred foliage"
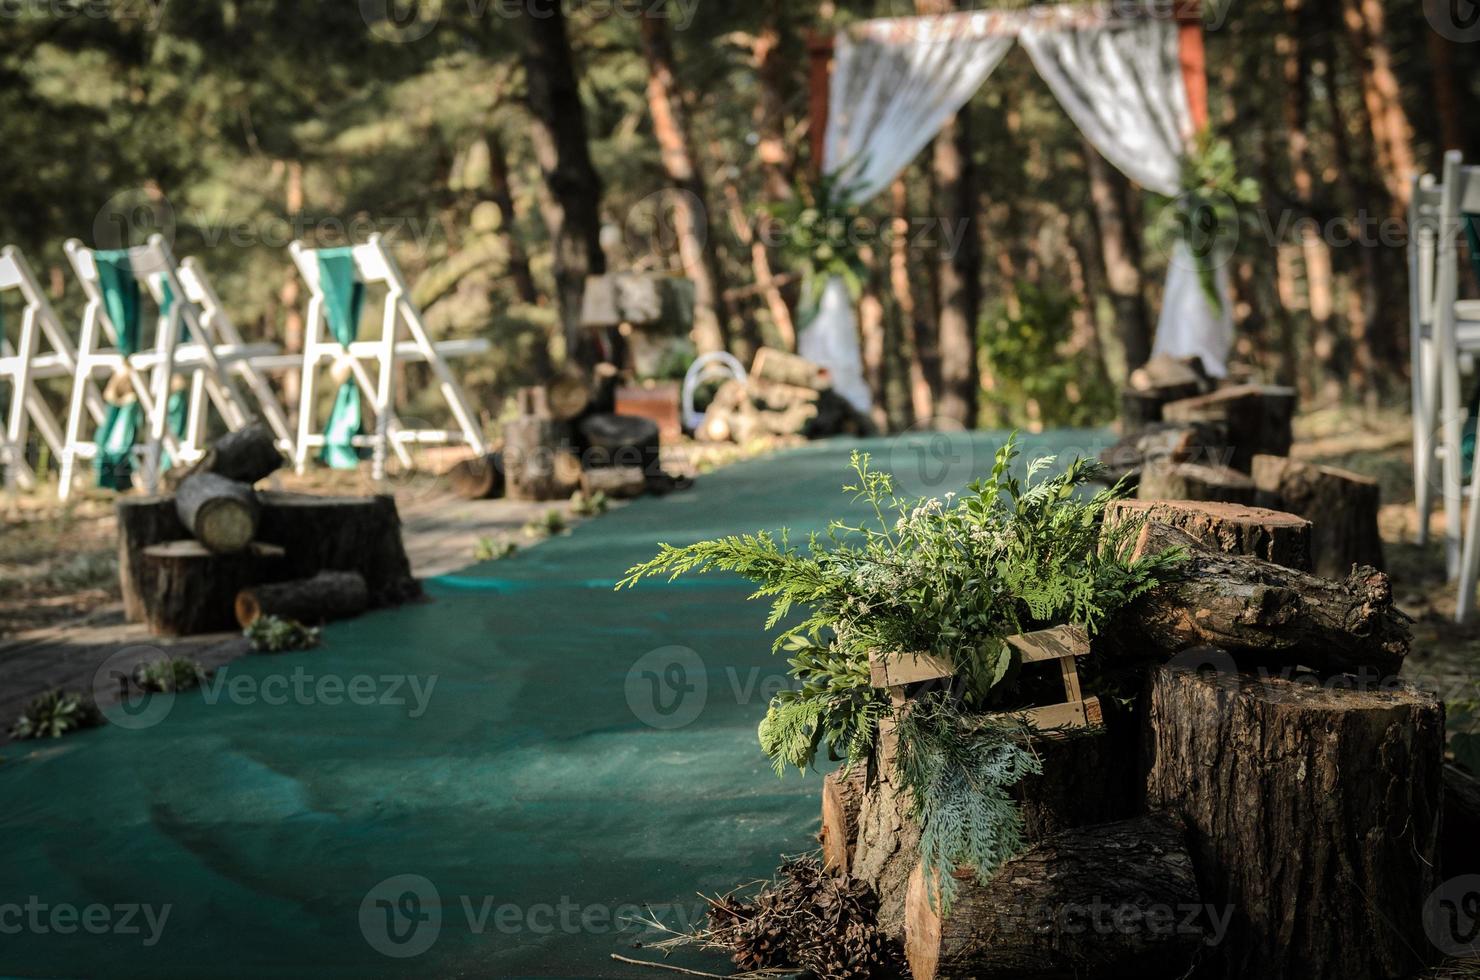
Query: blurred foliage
(1036, 382)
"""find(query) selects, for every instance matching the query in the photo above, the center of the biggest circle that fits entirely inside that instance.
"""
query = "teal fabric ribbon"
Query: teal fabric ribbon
(112, 466)
(344, 298)
(177, 409)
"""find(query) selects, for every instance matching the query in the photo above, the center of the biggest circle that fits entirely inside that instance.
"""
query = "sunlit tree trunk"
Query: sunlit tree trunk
(913, 326)
(573, 202)
(501, 193)
(1121, 251)
(1391, 133)
(696, 246)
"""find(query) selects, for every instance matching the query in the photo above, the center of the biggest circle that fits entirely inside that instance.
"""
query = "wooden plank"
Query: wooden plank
(1051, 644)
(1071, 679)
(898, 669)
(1075, 714)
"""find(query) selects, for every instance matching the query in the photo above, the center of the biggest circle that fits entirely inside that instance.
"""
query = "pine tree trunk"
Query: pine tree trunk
(1313, 815)
(1121, 253)
(501, 193)
(922, 392)
(1391, 132)
(558, 133)
(696, 244)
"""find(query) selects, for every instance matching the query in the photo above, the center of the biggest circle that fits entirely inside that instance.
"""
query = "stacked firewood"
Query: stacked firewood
(567, 439)
(784, 395)
(219, 553)
(1270, 804)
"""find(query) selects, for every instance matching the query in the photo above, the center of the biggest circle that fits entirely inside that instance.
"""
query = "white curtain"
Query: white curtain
(831, 339)
(1121, 83)
(895, 84)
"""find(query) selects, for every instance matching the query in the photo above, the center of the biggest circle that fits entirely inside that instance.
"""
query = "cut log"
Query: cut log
(567, 473)
(189, 590)
(479, 478)
(842, 803)
(1194, 481)
(1162, 442)
(1107, 901)
(1262, 613)
(142, 522)
(570, 395)
(888, 848)
(1341, 504)
(325, 597)
(1313, 814)
(1164, 372)
(530, 445)
(620, 440)
(617, 482)
(1258, 418)
(247, 455)
(341, 534)
(1231, 529)
(221, 514)
(1458, 851)
(771, 364)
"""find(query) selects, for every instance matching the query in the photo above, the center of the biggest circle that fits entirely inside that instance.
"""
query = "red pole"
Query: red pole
(1194, 60)
(820, 48)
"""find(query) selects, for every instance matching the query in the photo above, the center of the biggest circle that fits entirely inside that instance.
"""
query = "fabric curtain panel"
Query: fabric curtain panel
(1121, 83)
(344, 298)
(895, 85)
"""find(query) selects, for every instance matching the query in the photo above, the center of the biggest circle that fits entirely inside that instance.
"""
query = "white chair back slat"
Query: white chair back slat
(374, 265)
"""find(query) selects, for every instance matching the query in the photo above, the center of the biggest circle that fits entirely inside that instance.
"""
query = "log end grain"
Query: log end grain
(1233, 529)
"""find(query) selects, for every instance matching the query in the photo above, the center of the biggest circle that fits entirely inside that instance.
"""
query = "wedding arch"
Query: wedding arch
(1129, 73)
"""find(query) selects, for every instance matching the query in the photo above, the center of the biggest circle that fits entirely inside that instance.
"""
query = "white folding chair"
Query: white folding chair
(375, 266)
(1445, 337)
(220, 328)
(26, 362)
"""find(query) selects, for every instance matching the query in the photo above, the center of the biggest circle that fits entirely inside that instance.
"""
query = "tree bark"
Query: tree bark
(343, 534)
(1121, 254)
(188, 590)
(220, 513)
(616, 482)
(620, 440)
(1314, 818)
(959, 274)
(1258, 419)
(558, 133)
(1229, 529)
(142, 522)
(325, 597)
(531, 443)
(1391, 132)
(1105, 901)
(696, 244)
(1194, 481)
(1262, 612)
(501, 193)
(902, 284)
(247, 455)
(842, 803)
(1341, 505)
(479, 478)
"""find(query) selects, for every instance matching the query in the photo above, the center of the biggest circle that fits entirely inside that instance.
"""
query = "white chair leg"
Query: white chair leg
(1452, 421)
(1423, 438)
(1470, 565)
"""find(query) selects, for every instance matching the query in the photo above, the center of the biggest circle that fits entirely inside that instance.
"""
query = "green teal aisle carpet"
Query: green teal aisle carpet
(486, 785)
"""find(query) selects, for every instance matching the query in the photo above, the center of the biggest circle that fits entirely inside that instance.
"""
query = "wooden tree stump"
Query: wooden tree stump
(479, 478)
(1313, 814)
(325, 597)
(1109, 901)
(1162, 442)
(188, 589)
(1262, 613)
(1232, 529)
(530, 445)
(342, 534)
(142, 522)
(617, 482)
(1258, 418)
(1341, 504)
(221, 514)
(888, 848)
(842, 803)
(1194, 481)
(620, 440)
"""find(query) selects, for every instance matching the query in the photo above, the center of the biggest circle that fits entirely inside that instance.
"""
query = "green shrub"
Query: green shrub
(170, 674)
(547, 525)
(54, 714)
(492, 549)
(270, 634)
